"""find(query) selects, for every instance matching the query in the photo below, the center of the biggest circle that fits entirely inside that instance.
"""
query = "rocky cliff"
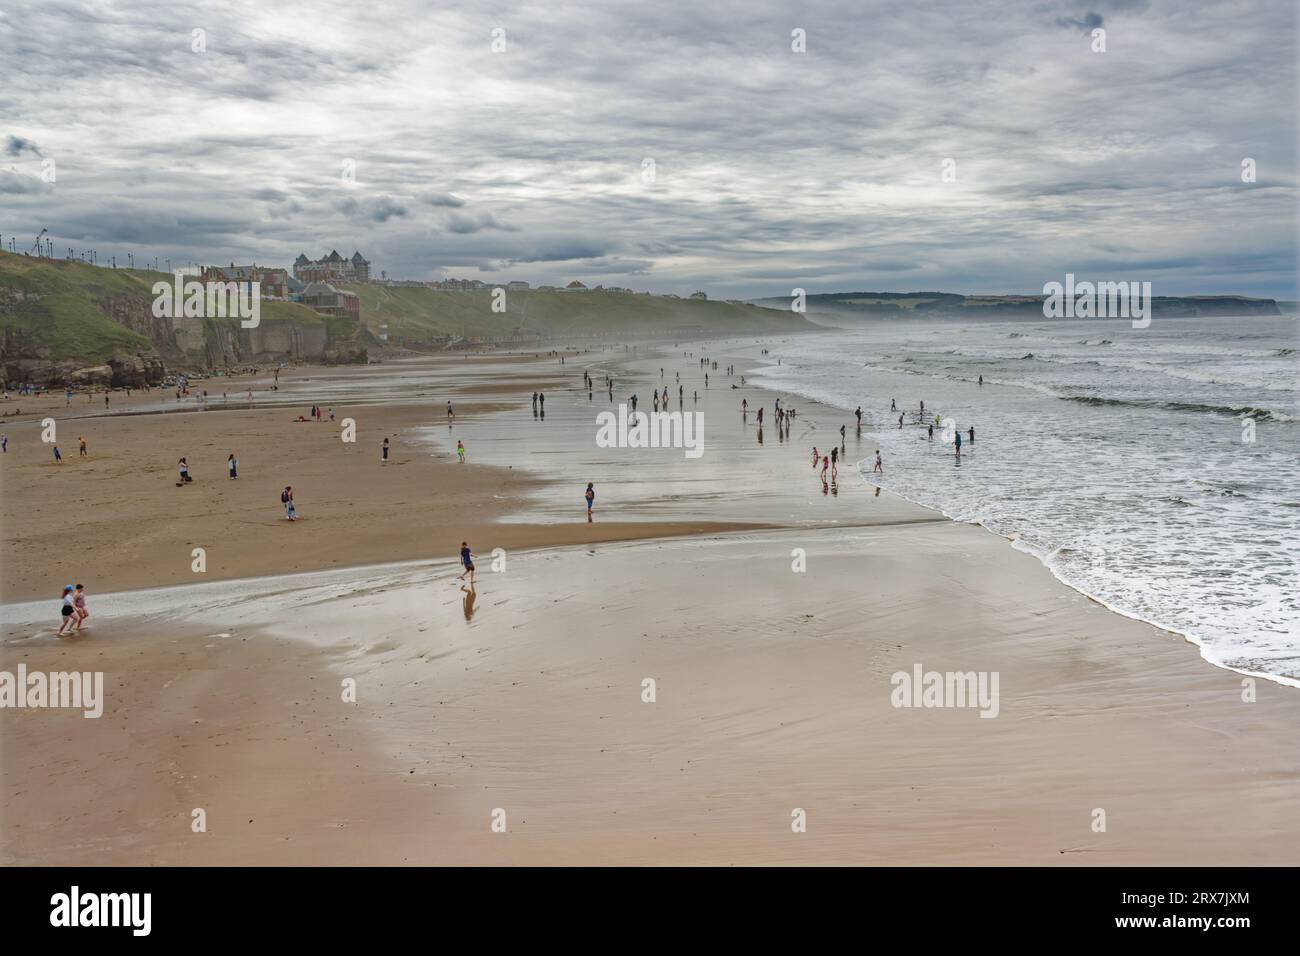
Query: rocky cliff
(72, 322)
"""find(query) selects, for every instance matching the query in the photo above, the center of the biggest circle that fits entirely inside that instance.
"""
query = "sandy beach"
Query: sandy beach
(769, 613)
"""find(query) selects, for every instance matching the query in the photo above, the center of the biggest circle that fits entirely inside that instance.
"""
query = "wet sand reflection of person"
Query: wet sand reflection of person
(470, 595)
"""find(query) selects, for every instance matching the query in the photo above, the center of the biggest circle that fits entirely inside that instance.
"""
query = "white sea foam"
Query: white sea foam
(1122, 467)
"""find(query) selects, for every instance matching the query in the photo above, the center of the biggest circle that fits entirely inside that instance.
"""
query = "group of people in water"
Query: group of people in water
(937, 422)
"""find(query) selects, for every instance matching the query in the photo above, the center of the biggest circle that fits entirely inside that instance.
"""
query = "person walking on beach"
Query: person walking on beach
(900, 421)
(972, 434)
(981, 379)
(958, 443)
(467, 560)
(81, 442)
(879, 468)
(383, 451)
(58, 456)
(826, 463)
(460, 451)
(69, 611)
(534, 404)
(590, 497)
(835, 463)
(451, 415)
(931, 431)
(891, 406)
(541, 401)
(816, 456)
(841, 434)
(79, 605)
(286, 499)
(233, 466)
(183, 471)
(744, 406)
(4, 444)
(858, 413)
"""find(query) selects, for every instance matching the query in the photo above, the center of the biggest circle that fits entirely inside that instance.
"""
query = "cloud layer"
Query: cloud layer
(671, 145)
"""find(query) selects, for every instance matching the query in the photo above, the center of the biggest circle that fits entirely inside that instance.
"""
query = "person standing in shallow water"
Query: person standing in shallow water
(590, 498)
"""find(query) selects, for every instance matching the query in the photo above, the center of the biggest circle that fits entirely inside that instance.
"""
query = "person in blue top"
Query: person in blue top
(467, 559)
(590, 498)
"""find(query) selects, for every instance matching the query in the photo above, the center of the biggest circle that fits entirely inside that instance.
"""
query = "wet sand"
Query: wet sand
(772, 689)
(117, 519)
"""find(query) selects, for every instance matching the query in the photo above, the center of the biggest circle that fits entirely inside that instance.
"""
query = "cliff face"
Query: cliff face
(71, 322)
(136, 314)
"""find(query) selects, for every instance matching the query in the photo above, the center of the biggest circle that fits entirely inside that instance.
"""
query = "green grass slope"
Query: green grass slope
(68, 318)
(418, 313)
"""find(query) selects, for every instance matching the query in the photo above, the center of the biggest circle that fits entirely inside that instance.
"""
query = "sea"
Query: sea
(1156, 470)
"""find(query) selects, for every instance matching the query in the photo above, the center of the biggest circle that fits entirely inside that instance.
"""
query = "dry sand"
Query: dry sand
(773, 688)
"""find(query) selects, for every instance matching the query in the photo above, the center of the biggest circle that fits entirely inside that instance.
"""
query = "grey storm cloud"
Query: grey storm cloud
(464, 225)
(444, 199)
(771, 169)
(1085, 24)
(15, 183)
(16, 146)
(378, 209)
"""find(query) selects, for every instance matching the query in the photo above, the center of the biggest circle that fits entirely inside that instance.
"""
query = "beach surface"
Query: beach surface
(710, 660)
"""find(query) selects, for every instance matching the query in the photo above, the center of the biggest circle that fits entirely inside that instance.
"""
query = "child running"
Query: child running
(460, 451)
(79, 604)
(69, 610)
(466, 559)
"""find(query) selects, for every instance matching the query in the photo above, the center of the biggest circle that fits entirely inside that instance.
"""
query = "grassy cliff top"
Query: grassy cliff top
(417, 312)
(68, 308)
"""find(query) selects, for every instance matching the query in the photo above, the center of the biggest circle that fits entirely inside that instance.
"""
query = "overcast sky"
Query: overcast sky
(772, 169)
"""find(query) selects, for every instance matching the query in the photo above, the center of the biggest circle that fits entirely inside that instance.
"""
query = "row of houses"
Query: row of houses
(277, 284)
(313, 282)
